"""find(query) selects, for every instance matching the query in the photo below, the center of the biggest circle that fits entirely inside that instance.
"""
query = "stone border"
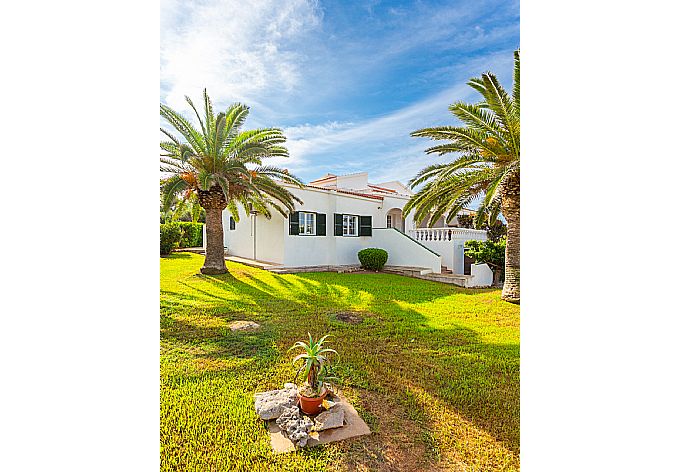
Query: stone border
(354, 426)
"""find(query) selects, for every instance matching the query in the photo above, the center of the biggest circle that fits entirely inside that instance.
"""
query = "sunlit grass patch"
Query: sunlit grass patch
(432, 368)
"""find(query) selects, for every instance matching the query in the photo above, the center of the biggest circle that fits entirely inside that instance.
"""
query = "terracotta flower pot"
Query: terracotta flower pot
(312, 405)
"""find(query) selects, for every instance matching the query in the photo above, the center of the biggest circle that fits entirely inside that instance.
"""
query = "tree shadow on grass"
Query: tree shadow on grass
(393, 352)
(476, 380)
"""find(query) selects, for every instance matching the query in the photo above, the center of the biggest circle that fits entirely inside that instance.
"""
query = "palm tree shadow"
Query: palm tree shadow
(478, 381)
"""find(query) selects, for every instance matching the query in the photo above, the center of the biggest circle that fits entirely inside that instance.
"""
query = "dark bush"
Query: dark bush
(192, 234)
(372, 258)
(170, 237)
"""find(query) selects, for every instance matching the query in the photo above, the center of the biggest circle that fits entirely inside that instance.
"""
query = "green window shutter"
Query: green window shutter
(321, 224)
(338, 228)
(364, 225)
(294, 223)
(232, 223)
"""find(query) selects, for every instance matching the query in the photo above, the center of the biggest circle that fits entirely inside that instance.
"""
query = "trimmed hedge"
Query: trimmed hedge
(373, 258)
(170, 237)
(192, 234)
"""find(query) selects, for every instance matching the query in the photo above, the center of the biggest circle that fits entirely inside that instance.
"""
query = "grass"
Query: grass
(432, 368)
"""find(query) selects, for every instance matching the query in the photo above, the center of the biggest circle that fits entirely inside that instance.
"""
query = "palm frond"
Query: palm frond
(184, 127)
(170, 189)
(220, 156)
(198, 117)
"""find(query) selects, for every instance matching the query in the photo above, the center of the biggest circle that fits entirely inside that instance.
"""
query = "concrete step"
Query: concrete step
(408, 271)
(321, 268)
(252, 262)
(459, 280)
(427, 274)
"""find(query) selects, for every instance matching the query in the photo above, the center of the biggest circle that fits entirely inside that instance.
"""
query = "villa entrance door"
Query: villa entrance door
(395, 220)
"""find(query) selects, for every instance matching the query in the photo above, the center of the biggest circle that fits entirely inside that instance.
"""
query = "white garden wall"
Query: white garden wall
(481, 276)
(404, 251)
(448, 242)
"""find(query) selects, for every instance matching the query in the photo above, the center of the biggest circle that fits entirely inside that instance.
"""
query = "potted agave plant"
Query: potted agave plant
(314, 363)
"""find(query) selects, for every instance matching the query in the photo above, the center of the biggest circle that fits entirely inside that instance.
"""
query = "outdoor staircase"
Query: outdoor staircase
(455, 279)
(445, 270)
(407, 271)
(427, 274)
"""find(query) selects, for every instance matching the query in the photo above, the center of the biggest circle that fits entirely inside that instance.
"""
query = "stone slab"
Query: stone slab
(354, 426)
(243, 325)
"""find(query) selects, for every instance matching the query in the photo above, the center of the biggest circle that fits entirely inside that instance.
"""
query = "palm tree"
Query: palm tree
(222, 167)
(488, 167)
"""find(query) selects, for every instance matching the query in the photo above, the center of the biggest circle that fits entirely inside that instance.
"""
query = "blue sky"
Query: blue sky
(347, 81)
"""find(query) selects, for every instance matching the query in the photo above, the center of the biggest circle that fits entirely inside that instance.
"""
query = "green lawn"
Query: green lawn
(432, 368)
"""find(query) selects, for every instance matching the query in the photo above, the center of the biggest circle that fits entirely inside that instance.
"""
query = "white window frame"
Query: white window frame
(389, 221)
(346, 225)
(304, 225)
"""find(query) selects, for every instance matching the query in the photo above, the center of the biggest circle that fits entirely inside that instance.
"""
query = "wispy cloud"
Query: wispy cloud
(348, 81)
(240, 51)
(383, 145)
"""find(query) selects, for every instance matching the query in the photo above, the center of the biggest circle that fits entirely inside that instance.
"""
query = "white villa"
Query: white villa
(342, 214)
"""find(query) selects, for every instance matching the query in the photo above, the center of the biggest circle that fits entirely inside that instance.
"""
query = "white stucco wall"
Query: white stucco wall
(392, 202)
(359, 180)
(274, 244)
(330, 249)
(269, 237)
(481, 276)
(404, 251)
(451, 250)
(270, 240)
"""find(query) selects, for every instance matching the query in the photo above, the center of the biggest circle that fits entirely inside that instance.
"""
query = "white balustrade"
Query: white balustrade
(446, 234)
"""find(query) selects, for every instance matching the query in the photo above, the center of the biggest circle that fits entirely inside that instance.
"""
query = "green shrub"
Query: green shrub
(192, 234)
(170, 237)
(488, 252)
(373, 258)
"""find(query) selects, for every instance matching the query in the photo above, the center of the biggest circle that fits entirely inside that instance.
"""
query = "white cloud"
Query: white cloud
(234, 49)
(383, 145)
(272, 55)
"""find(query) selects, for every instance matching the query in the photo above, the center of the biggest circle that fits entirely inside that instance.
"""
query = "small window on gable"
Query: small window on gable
(350, 225)
(307, 223)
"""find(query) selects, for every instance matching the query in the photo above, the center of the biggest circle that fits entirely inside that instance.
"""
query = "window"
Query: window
(389, 221)
(349, 225)
(307, 223)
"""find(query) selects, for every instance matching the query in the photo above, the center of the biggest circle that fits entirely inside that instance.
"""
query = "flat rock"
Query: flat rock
(329, 419)
(270, 405)
(296, 426)
(243, 325)
(353, 426)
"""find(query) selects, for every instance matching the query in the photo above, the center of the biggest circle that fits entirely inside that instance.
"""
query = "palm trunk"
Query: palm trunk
(510, 207)
(213, 201)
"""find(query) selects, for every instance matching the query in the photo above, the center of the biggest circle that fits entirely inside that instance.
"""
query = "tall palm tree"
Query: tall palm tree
(222, 166)
(488, 167)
